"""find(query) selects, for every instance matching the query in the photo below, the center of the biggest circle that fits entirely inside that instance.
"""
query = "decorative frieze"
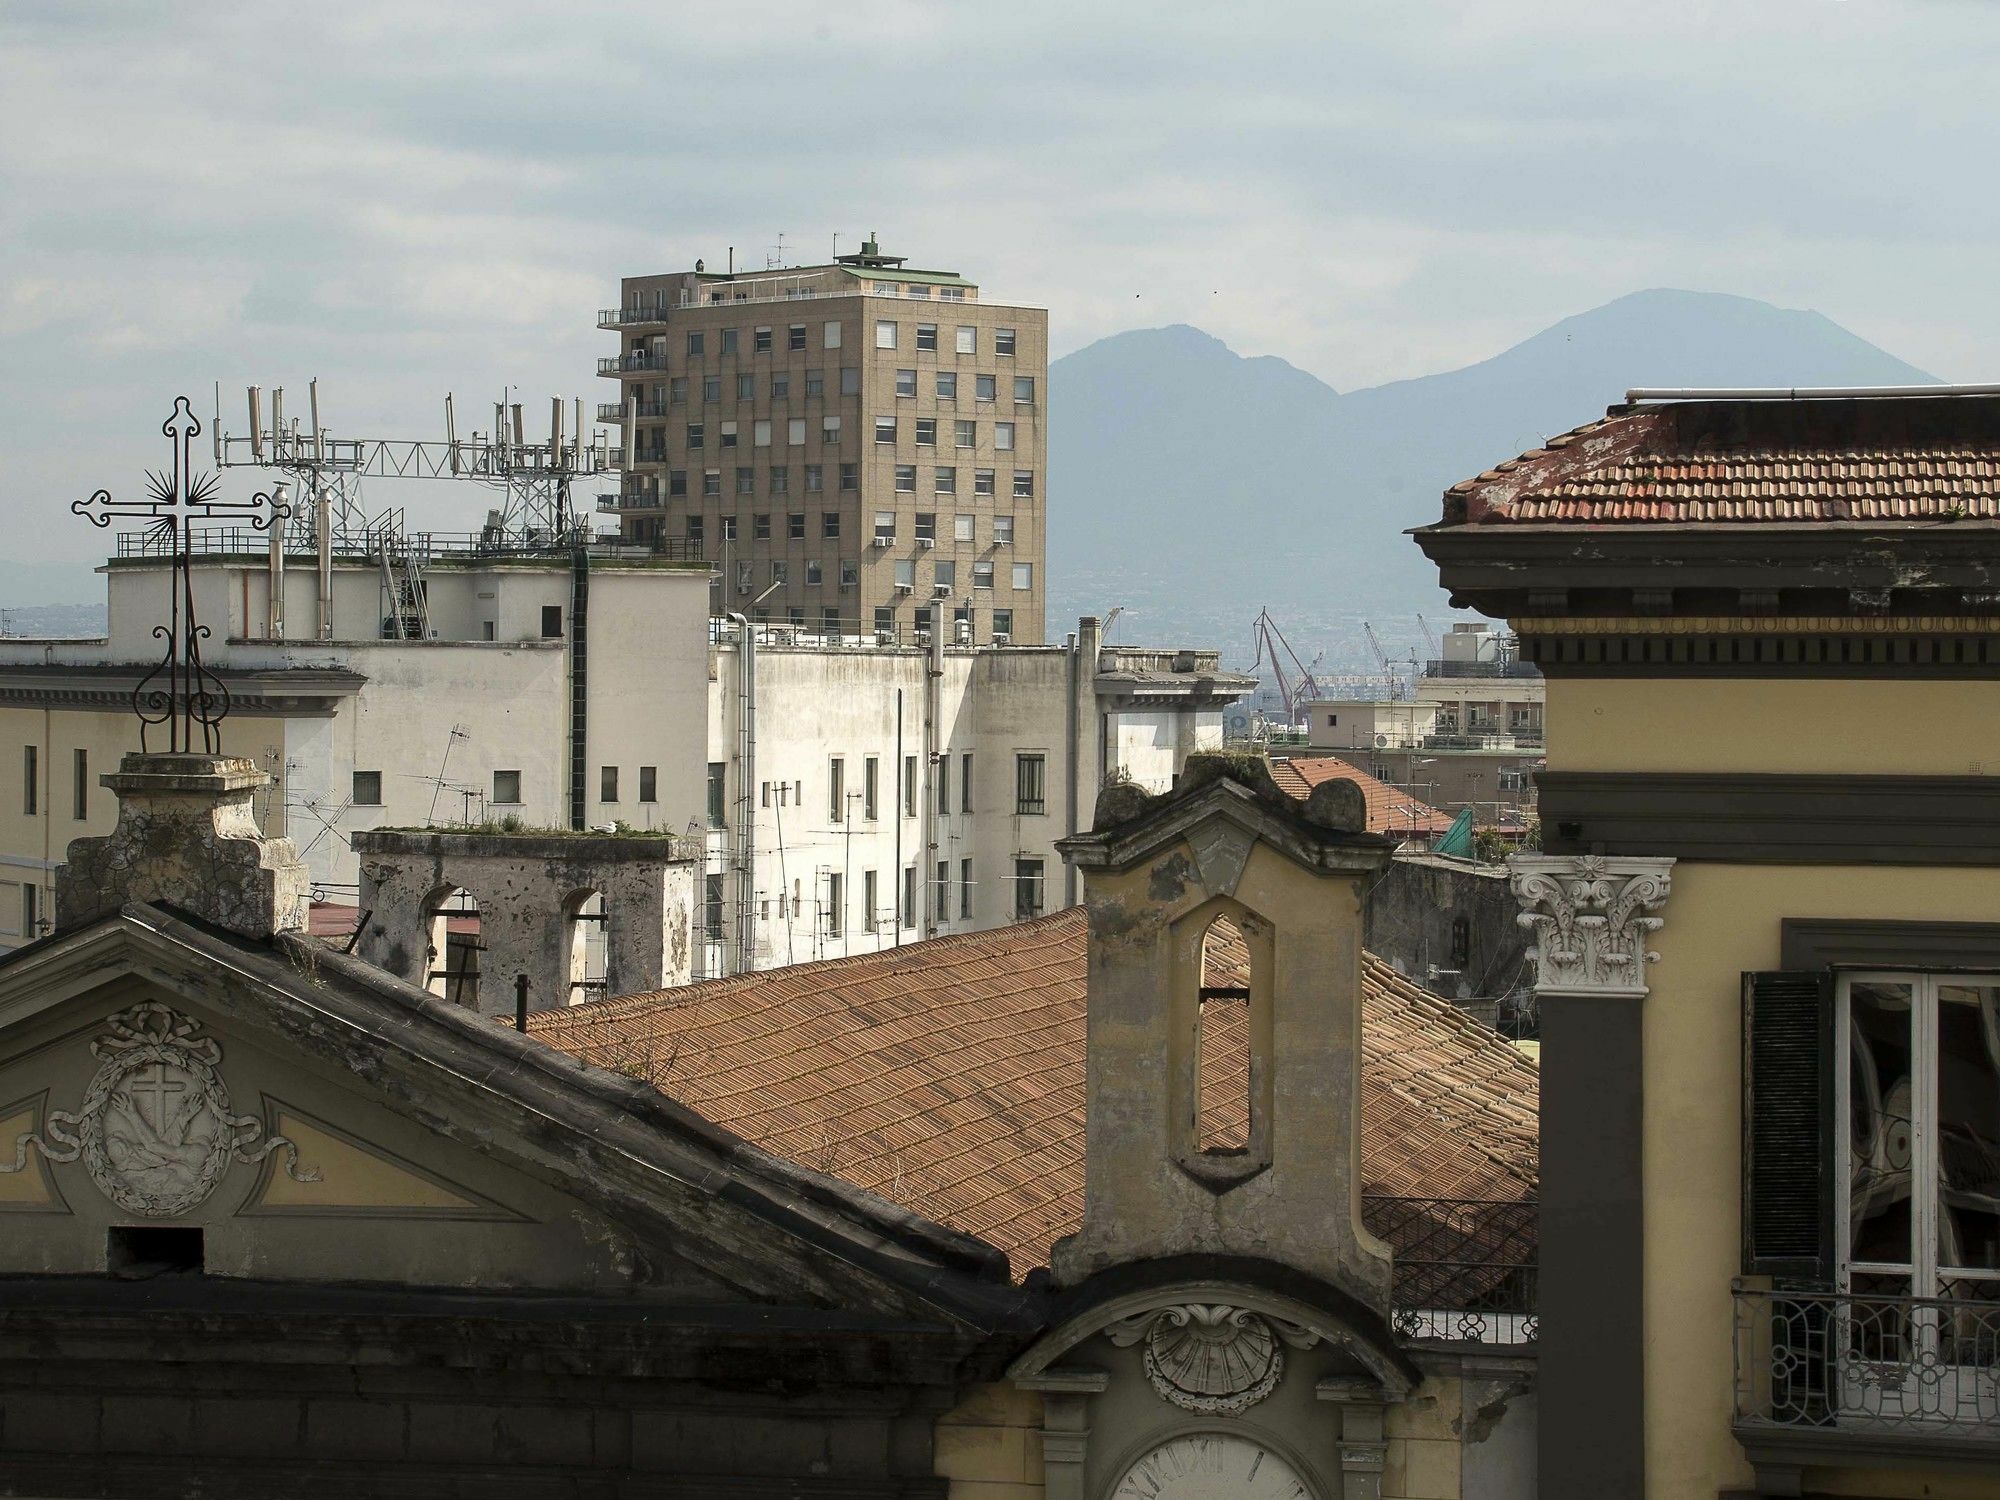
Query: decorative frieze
(1592, 915)
(155, 1130)
(1211, 1357)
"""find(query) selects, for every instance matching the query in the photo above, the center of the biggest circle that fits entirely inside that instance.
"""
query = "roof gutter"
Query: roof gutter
(1802, 393)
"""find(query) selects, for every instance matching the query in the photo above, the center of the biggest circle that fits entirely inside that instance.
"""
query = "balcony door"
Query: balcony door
(1917, 1210)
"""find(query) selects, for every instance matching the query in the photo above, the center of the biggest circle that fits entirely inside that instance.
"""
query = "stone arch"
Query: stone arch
(1222, 955)
(451, 931)
(586, 945)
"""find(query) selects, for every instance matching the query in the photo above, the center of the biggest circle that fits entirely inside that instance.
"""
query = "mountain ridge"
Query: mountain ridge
(1177, 464)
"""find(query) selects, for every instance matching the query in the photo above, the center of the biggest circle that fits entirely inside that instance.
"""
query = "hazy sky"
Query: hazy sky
(408, 198)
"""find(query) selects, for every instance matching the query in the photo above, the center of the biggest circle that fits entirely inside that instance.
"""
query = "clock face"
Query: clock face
(1211, 1466)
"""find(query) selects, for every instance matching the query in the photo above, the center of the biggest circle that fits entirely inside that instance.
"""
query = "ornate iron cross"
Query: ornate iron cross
(180, 692)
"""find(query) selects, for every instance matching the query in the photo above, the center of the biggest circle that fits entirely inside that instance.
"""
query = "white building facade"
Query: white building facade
(876, 793)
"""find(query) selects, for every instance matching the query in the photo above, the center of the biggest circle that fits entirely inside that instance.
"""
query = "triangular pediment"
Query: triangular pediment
(319, 1121)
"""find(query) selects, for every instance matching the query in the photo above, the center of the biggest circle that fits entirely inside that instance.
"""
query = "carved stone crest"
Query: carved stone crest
(1591, 916)
(154, 1129)
(1211, 1357)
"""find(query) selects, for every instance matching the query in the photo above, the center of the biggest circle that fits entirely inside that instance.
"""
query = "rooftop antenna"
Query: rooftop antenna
(458, 732)
(776, 260)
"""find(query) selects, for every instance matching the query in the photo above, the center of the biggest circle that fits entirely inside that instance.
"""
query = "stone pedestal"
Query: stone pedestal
(186, 838)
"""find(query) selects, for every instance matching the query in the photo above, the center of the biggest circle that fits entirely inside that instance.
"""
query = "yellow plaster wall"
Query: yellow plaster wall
(345, 1175)
(990, 1445)
(29, 1187)
(1425, 1455)
(1805, 725)
(1720, 921)
(32, 844)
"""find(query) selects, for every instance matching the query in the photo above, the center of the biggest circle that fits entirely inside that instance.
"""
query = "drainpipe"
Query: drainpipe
(274, 602)
(1085, 748)
(746, 783)
(323, 526)
(927, 788)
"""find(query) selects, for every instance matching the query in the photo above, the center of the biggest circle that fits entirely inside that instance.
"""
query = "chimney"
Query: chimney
(186, 838)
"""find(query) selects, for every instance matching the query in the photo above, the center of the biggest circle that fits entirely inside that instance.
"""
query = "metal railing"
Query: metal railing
(631, 363)
(1836, 1361)
(1465, 1267)
(614, 411)
(625, 317)
(422, 546)
(1437, 668)
(1498, 739)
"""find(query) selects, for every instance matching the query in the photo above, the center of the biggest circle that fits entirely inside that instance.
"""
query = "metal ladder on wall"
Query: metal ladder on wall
(409, 617)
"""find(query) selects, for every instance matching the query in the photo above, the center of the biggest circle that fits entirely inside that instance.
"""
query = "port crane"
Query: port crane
(1295, 689)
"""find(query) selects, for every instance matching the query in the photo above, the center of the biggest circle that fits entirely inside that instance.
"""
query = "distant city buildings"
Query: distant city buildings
(851, 444)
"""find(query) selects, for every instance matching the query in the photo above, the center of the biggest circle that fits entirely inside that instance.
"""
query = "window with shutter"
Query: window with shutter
(1788, 1126)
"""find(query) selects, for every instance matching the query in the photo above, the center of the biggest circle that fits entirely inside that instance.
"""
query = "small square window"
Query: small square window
(697, 435)
(711, 483)
(906, 478)
(760, 434)
(926, 432)
(965, 433)
(885, 429)
(649, 783)
(885, 524)
(926, 525)
(1024, 390)
(945, 480)
(795, 336)
(944, 573)
(963, 528)
(947, 385)
(696, 343)
(795, 432)
(850, 380)
(850, 573)
(850, 476)
(968, 340)
(781, 480)
(832, 336)
(1003, 341)
(906, 573)
(729, 528)
(746, 387)
(829, 525)
(814, 576)
(982, 481)
(677, 482)
(829, 430)
(551, 622)
(983, 387)
(1024, 484)
(1024, 577)
(1003, 437)
(927, 338)
(982, 575)
(815, 382)
(607, 784)
(760, 341)
(746, 480)
(711, 389)
(885, 333)
(367, 788)
(906, 382)
(1003, 624)
(795, 526)
(729, 340)
(760, 527)
(729, 434)
(507, 788)
(815, 478)
(1003, 531)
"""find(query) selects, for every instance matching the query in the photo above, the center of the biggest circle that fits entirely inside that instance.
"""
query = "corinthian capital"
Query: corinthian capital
(1591, 916)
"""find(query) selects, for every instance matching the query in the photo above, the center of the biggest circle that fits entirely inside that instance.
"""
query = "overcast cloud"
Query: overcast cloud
(407, 198)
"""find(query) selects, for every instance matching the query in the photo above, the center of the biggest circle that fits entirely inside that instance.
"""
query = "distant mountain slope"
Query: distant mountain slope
(1186, 478)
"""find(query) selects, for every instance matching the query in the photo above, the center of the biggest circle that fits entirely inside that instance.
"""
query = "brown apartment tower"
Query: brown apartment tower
(849, 444)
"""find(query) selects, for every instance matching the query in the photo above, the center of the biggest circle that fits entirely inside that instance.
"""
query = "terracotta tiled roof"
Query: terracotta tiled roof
(948, 1077)
(1902, 459)
(1390, 811)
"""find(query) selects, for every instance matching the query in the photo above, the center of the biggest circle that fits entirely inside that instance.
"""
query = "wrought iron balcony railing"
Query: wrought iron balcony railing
(1868, 1365)
(1465, 1268)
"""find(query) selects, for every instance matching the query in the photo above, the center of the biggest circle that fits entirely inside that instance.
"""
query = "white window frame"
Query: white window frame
(885, 333)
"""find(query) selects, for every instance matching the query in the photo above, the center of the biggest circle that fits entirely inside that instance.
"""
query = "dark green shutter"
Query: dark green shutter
(1788, 1145)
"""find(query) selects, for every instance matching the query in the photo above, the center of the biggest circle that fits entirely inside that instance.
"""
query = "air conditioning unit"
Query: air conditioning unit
(902, 588)
(1001, 637)
(884, 541)
(941, 590)
(927, 541)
